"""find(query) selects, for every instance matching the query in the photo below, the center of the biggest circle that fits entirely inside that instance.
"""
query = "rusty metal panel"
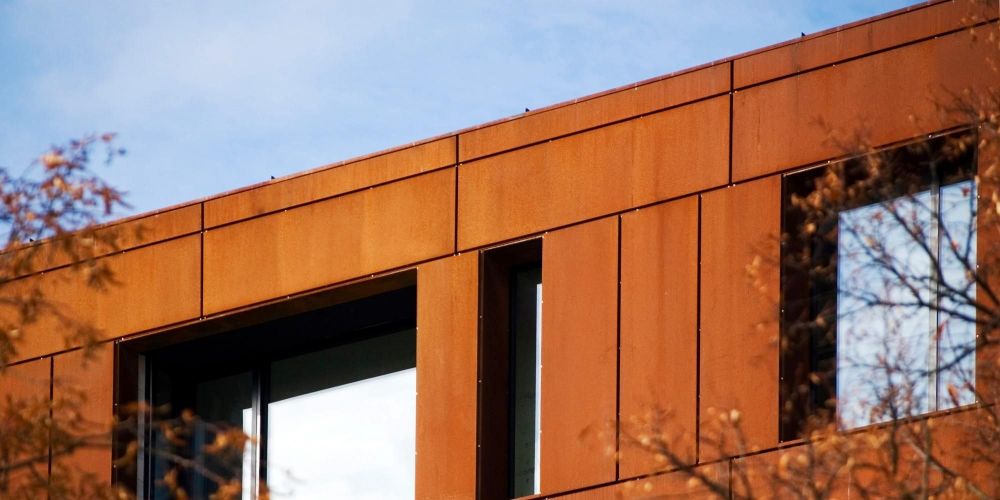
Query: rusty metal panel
(329, 241)
(93, 376)
(27, 385)
(25, 381)
(878, 99)
(670, 485)
(593, 112)
(956, 441)
(447, 354)
(330, 181)
(579, 355)
(157, 227)
(595, 173)
(828, 48)
(152, 286)
(111, 238)
(659, 333)
(987, 241)
(740, 226)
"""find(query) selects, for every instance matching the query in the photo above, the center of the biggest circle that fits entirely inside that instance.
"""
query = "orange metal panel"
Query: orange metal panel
(671, 485)
(158, 227)
(579, 355)
(593, 112)
(330, 181)
(659, 332)
(960, 441)
(757, 476)
(27, 385)
(329, 241)
(595, 173)
(447, 369)
(859, 40)
(963, 442)
(126, 235)
(739, 310)
(93, 375)
(153, 286)
(988, 261)
(883, 98)
(29, 380)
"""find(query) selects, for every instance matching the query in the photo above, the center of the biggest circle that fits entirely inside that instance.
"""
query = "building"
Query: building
(636, 210)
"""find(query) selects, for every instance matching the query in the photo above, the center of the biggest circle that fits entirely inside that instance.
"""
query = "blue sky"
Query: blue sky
(211, 96)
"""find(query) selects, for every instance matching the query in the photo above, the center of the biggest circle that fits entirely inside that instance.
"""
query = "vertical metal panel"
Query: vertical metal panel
(659, 316)
(93, 376)
(27, 384)
(579, 355)
(447, 345)
(739, 311)
(987, 258)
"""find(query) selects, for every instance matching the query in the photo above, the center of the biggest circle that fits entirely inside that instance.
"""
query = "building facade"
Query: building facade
(543, 278)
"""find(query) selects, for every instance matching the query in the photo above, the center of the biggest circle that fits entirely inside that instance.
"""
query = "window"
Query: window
(329, 395)
(877, 286)
(510, 370)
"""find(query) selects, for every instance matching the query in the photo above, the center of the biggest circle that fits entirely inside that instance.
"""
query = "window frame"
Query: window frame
(496, 397)
(804, 297)
(133, 356)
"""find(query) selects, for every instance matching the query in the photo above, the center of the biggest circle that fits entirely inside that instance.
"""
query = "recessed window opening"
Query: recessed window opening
(329, 395)
(877, 299)
(510, 423)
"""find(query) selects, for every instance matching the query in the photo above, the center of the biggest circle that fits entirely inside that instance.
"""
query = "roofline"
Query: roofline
(328, 166)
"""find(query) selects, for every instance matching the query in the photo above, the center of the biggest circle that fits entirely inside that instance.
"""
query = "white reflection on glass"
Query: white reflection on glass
(248, 485)
(350, 441)
(890, 360)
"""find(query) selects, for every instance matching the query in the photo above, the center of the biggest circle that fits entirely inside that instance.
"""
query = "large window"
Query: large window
(878, 277)
(510, 368)
(329, 396)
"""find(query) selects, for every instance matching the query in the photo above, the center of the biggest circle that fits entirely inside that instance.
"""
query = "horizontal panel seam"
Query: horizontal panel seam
(101, 227)
(327, 198)
(716, 187)
(101, 257)
(327, 167)
(864, 55)
(644, 114)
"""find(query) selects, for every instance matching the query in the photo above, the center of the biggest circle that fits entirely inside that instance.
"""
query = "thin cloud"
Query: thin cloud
(209, 96)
